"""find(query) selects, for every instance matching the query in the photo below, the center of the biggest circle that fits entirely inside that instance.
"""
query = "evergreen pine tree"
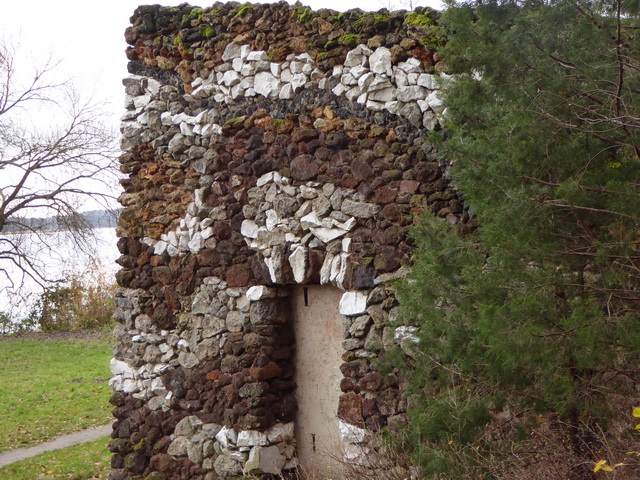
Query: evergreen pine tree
(533, 320)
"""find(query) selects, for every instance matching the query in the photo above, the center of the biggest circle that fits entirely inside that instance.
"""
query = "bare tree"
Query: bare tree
(55, 153)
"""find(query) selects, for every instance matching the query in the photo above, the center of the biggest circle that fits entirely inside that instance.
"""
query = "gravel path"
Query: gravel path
(77, 438)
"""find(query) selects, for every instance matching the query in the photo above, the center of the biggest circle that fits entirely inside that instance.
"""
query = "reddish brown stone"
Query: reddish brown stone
(239, 275)
(269, 371)
(425, 56)
(315, 260)
(426, 171)
(369, 407)
(388, 402)
(392, 212)
(156, 260)
(304, 167)
(385, 195)
(362, 278)
(361, 169)
(171, 297)
(348, 182)
(222, 230)
(349, 385)
(409, 186)
(163, 275)
(303, 134)
(371, 382)
(162, 463)
(350, 409)
(356, 368)
(215, 375)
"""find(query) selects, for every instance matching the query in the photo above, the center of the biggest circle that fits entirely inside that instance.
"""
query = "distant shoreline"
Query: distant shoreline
(94, 219)
(47, 230)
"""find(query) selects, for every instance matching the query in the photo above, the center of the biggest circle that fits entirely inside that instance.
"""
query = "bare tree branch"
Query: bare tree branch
(47, 169)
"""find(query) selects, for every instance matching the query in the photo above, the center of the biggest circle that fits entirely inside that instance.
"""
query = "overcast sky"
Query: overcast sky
(87, 37)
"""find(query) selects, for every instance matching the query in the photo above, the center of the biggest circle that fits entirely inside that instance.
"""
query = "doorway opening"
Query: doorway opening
(318, 331)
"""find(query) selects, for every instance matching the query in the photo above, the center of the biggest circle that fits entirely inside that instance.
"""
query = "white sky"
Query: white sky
(87, 37)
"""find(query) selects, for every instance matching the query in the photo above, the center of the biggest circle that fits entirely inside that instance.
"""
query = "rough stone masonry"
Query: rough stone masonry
(265, 146)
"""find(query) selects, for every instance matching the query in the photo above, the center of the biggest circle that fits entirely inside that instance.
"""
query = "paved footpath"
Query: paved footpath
(84, 436)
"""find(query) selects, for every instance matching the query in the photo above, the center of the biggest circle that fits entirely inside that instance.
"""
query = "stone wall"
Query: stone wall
(265, 146)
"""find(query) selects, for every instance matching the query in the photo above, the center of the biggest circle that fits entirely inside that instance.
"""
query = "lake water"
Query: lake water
(60, 261)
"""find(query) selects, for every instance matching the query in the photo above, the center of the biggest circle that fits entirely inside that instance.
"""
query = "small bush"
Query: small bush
(78, 305)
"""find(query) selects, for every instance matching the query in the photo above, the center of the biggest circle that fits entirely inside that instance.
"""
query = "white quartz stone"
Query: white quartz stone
(351, 434)
(412, 65)
(273, 220)
(298, 81)
(354, 58)
(251, 438)
(264, 179)
(237, 64)
(310, 220)
(248, 69)
(266, 84)
(353, 93)
(384, 95)
(380, 61)
(131, 386)
(400, 77)
(257, 55)
(231, 78)
(249, 229)
(196, 243)
(406, 335)
(325, 270)
(298, 262)
(412, 93)
(336, 266)
(231, 51)
(353, 303)
(339, 89)
(265, 460)
(435, 102)
(141, 101)
(296, 67)
(365, 80)
(326, 235)
(118, 367)
(286, 75)
(348, 80)
(281, 432)
(260, 292)
(428, 81)
(227, 437)
(358, 71)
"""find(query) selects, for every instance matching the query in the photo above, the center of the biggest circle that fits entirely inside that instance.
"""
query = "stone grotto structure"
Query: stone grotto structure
(274, 160)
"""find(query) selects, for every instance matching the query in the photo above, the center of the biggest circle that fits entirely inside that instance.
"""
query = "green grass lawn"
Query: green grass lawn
(51, 387)
(82, 462)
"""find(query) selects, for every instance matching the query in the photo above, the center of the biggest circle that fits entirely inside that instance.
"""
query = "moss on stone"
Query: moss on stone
(304, 14)
(380, 19)
(245, 10)
(140, 445)
(339, 19)
(207, 31)
(349, 40)
(418, 19)
(330, 45)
